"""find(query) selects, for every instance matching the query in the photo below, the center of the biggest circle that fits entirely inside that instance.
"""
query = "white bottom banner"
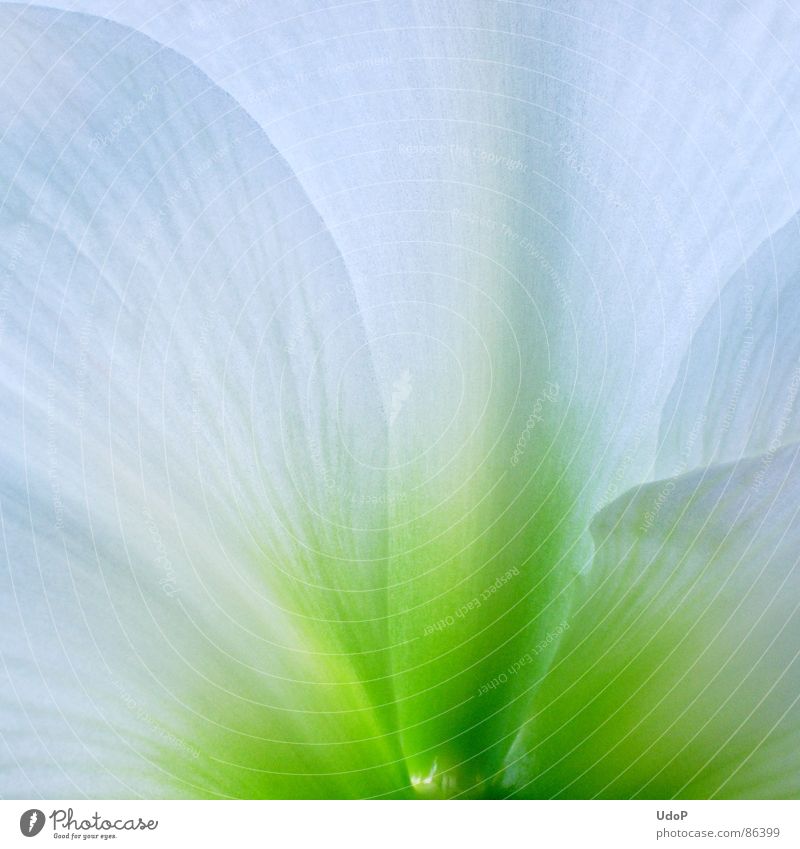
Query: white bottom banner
(400, 825)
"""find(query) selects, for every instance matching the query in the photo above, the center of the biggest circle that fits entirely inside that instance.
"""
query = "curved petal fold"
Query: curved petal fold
(534, 209)
(193, 573)
(678, 675)
(736, 393)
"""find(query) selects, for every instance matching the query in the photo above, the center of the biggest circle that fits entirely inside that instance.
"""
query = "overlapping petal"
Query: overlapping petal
(194, 588)
(382, 425)
(526, 198)
(736, 394)
(678, 675)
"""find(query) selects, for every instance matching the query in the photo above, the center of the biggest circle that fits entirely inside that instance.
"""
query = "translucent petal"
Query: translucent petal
(678, 672)
(194, 601)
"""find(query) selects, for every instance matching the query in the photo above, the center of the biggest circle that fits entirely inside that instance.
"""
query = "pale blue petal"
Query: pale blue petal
(193, 599)
(736, 394)
(525, 198)
(679, 673)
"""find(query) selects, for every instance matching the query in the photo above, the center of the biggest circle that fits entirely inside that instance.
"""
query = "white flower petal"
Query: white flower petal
(194, 609)
(525, 198)
(615, 165)
(679, 669)
(736, 395)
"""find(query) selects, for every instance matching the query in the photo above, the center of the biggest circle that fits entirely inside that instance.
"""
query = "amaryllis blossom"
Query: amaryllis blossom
(400, 399)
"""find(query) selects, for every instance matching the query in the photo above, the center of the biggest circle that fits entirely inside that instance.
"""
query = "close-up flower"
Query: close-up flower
(399, 399)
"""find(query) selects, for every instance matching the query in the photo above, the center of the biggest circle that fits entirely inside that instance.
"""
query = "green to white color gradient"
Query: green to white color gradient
(399, 399)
